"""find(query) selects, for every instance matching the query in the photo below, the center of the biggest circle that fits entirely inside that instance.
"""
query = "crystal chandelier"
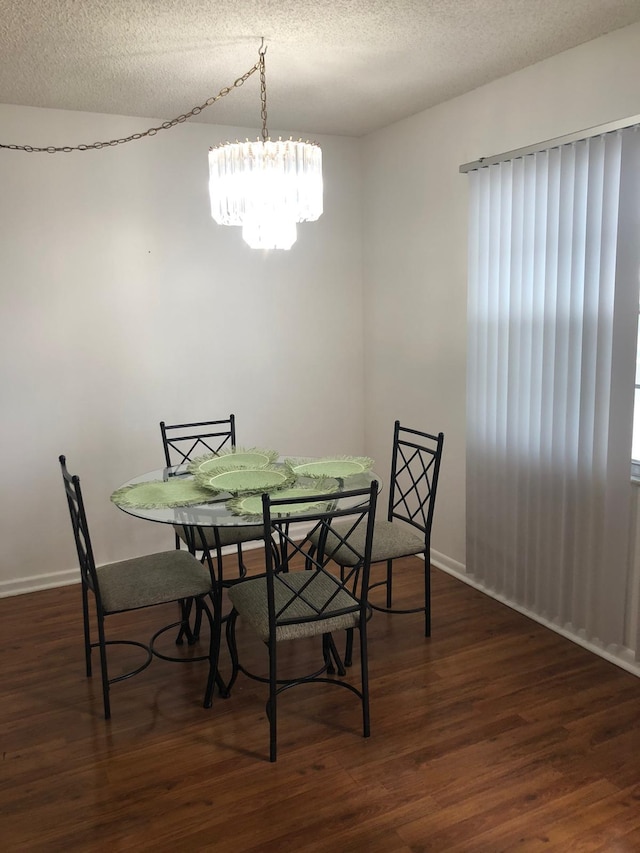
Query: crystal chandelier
(266, 186)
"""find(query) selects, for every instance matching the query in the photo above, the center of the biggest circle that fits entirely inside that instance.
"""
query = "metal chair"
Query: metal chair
(298, 595)
(139, 583)
(415, 468)
(184, 442)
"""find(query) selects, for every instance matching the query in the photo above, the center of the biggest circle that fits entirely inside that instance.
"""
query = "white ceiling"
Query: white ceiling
(333, 66)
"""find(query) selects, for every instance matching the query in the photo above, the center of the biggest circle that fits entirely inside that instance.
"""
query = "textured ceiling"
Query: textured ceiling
(333, 66)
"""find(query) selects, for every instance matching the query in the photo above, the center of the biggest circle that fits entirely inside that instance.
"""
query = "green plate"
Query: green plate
(239, 457)
(247, 481)
(161, 494)
(338, 467)
(251, 505)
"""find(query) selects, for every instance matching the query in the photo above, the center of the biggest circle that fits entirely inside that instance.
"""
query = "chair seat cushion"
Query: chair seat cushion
(154, 579)
(228, 535)
(391, 540)
(249, 597)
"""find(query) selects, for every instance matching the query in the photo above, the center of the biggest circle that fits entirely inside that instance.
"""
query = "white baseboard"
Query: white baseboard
(620, 655)
(18, 586)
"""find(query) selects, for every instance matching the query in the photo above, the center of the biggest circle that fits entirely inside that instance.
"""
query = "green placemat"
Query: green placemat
(161, 494)
(237, 481)
(238, 457)
(251, 505)
(339, 467)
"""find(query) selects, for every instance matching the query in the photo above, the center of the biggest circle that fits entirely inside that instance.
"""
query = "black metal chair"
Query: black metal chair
(299, 596)
(184, 442)
(170, 576)
(415, 468)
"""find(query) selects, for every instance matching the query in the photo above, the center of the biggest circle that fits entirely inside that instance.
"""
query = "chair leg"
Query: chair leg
(272, 703)
(364, 675)
(197, 623)
(103, 668)
(242, 569)
(326, 654)
(215, 627)
(185, 629)
(233, 647)
(87, 633)
(308, 558)
(348, 650)
(389, 582)
(331, 657)
(427, 596)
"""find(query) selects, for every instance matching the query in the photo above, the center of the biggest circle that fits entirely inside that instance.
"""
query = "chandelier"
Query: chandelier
(266, 186)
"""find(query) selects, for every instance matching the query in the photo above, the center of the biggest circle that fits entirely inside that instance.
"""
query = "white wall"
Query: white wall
(123, 304)
(415, 241)
(118, 295)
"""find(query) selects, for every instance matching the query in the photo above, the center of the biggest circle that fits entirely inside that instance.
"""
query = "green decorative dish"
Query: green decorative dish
(338, 467)
(161, 494)
(238, 457)
(246, 481)
(251, 505)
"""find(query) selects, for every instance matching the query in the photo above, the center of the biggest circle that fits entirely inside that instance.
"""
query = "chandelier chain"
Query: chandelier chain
(51, 149)
(263, 92)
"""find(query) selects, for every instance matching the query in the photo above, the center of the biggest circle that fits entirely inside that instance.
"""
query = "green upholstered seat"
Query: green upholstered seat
(391, 540)
(250, 600)
(153, 579)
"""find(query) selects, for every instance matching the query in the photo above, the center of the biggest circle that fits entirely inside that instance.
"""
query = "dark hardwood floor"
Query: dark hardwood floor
(494, 735)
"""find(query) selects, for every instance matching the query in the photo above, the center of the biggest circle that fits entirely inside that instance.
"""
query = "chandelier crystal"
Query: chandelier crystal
(266, 186)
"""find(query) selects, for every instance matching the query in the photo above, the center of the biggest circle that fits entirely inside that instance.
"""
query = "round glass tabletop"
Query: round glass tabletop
(189, 503)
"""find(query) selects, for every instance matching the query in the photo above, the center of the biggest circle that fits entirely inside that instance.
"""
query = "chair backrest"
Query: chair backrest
(415, 467)
(183, 442)
(80, 529)
(302, 584)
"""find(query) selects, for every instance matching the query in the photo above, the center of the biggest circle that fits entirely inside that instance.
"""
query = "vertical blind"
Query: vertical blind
(554, 261)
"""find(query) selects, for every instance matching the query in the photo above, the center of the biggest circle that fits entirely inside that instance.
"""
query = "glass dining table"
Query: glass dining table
(172, 495)
(195, 501)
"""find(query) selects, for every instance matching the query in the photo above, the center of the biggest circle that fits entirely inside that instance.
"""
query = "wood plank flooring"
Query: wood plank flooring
(493, 735)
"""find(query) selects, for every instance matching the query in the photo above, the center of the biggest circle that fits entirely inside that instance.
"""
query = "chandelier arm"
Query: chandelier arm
(51, 149)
